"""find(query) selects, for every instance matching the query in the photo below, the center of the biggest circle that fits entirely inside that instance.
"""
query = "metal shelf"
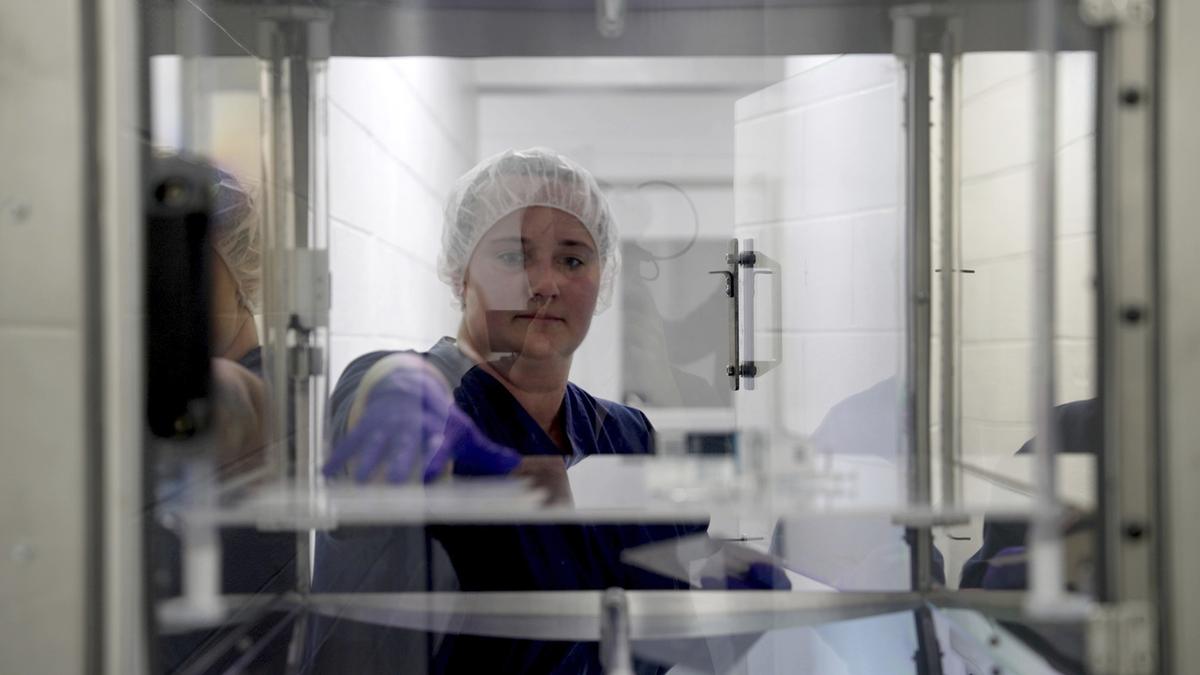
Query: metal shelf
(607, 489)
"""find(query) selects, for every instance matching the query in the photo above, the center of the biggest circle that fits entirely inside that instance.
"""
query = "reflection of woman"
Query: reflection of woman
(236, 274)
(530, 250)
(253, 562)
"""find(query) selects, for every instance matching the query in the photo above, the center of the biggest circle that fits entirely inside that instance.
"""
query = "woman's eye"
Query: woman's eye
(511, 258)
(573, 263)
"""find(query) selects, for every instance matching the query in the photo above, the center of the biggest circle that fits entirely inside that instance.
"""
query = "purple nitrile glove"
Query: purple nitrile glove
(759, 576)
(1005, 574)
(411, 420)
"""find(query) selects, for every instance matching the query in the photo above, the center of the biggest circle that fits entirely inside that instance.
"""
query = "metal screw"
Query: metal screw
(1132, 313)
(1131, 96)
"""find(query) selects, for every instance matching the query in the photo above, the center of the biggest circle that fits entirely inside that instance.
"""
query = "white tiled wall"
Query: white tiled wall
(818, 187)
(43, 546)
(400, 132)
(997, 211)
(818, 182)
(996, 239)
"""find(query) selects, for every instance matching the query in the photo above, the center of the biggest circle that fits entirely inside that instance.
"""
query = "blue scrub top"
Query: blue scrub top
(484, 557)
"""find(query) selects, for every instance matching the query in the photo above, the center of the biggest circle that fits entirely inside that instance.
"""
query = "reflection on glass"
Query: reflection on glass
(578, 318)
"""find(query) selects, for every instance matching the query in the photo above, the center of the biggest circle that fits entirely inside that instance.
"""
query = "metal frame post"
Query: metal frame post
(910, 48)
(918, 31)
(1045, 546)
(950, 263)
(295, 50)
(1179, 309)
(1129, 318)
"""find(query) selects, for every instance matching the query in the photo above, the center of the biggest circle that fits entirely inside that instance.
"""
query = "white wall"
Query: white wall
(996, 241)
(400, 132)
(44, 553)
(819, 182)
(997, 211)
(818, 187)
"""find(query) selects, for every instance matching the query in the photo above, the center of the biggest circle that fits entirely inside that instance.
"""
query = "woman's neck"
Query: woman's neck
(538, 385)
(245, 339)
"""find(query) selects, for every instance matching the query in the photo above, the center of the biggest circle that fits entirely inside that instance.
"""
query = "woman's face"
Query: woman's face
(531, 285)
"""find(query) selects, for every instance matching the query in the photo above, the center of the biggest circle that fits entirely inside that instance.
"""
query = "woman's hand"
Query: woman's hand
(759, 576)
(548, 472)
(409, 421)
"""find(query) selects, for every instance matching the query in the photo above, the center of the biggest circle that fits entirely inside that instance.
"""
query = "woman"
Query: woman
(530, 251)
(253, 562)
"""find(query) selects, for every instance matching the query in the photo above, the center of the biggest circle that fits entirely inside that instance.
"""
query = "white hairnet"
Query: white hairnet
(237, 238)
(516, 179)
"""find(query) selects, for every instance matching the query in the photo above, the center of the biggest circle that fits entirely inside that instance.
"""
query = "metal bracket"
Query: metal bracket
(1111, 12)
(738, 369)
(616, 653)
(1120, 639)
(305, 361)
(310, 287)
(610, 18)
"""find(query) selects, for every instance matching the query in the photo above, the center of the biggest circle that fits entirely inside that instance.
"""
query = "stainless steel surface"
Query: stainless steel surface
(1129, 318)
(1045, 543)
(911, 41)
(576, 615)
(1121, 639)
(950, 262)
(651, 29)
(652, 615)
(1003, 605)
(698, 494)
(615, 653)
(279, 229)
(123, 610)
(992, 648)
(1179, 383)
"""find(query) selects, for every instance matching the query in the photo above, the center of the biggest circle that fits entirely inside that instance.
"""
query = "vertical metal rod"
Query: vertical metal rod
(277, 236)
(950, 279)
(917, 206)
(616, 654)
(747, 354)
(1178, 245)
(318, 195)
(1045, 546)
(735, 350)
(299, 103)
(912, 27)
(194, 45)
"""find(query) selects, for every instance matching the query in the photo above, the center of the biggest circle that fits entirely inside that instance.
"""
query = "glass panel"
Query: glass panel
(552, 307)
(997, 211)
